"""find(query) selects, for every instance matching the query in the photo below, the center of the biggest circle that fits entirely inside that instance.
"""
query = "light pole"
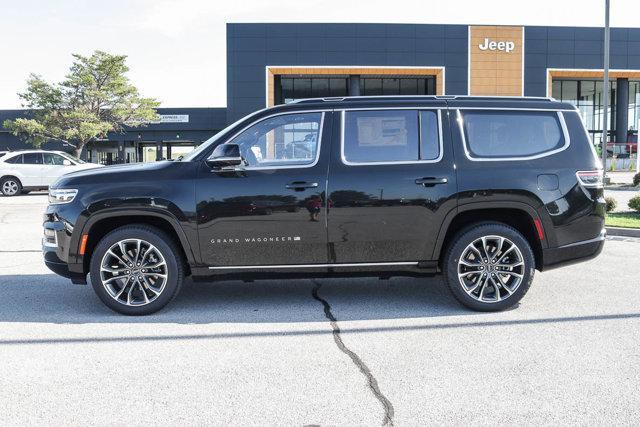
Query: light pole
(638, 145)
(605, 89)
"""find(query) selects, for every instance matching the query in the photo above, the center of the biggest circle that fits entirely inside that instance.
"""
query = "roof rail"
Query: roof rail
(366, 97)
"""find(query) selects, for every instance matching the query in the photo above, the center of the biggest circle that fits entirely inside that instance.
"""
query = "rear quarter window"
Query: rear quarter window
(14, 160)
(512, 134)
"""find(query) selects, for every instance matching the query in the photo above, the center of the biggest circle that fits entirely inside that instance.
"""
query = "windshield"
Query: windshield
(74, 158)
(206, 144)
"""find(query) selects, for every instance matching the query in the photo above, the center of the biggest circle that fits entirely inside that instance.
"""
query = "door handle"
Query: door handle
(301, 185)
(431, 181)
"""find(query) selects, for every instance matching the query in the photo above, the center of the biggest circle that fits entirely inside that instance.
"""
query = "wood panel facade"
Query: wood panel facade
(496, 60)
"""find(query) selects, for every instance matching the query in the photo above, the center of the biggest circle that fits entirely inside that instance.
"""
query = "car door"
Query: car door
(54, 167)
(392, 181)
(31, 170)
(269, 212)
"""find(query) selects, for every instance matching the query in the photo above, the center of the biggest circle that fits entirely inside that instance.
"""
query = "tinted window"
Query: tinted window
(53, 159)
(284, 140)
(391, 135)
(511, 133)
(15, 159)
(429, 136)
(381, 136)
(315, 87)
(32, 158)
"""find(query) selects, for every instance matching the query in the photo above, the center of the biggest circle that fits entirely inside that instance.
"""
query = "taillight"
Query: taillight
(590, 178)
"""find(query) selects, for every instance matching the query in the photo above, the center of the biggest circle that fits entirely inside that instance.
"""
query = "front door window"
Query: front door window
(286, 140)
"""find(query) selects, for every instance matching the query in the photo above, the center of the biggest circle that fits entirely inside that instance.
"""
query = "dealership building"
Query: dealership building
(270, 64)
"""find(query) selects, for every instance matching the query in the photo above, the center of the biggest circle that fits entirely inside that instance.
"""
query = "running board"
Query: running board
(294, 266)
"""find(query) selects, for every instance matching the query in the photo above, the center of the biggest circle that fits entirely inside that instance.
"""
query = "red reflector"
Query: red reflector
(538, 225)
(83, 243)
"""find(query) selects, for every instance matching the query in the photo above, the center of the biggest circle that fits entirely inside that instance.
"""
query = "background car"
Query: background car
(30, 170)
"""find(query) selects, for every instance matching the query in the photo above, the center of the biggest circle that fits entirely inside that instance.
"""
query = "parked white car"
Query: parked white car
(30, 170)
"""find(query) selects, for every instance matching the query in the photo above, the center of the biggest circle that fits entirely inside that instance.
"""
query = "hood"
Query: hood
(95, 173)
(83, 166)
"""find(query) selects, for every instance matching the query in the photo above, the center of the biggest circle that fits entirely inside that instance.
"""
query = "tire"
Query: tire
(10, 186)
(116, 283)
(489, 286)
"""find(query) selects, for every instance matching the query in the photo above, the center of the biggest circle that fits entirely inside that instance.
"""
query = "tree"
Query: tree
(95, 98)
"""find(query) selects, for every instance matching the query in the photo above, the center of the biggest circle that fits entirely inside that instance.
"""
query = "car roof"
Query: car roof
(35, 151)
(11, 154)
(451, 101)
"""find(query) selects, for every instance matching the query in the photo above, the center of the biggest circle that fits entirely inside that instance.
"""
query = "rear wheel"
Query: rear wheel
(489, 267)
(136, 270)
(10, 186)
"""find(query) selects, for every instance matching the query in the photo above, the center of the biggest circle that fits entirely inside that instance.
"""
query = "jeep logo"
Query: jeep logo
(492, 45)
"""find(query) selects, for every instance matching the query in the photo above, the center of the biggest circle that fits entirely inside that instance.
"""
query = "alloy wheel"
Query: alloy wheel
(9, 187)
(133, 272)
(491, 268)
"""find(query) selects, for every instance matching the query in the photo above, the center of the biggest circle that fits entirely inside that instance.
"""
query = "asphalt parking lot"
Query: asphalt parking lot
(327, 352)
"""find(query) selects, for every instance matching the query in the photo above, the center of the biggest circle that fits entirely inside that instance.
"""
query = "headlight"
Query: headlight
(60, 195)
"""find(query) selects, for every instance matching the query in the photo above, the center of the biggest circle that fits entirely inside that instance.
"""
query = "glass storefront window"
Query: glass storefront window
(588, 97)
(293, 88)
(372, 86)
(314, 87)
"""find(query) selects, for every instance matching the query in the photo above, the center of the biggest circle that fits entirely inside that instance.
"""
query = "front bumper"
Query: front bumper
(55, 250)
(573, 253)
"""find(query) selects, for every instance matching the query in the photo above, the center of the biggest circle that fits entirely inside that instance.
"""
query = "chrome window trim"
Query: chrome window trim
(354, 264)
(273, 167)
(467, 152)
(397, 162)
(512, 108)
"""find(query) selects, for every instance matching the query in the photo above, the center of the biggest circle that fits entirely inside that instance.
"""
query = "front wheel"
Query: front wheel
(136, 270)
(10, 186)
(489, 267)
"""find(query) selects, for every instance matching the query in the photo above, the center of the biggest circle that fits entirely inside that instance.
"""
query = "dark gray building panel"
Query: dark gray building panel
(335, 45)
(570, 47)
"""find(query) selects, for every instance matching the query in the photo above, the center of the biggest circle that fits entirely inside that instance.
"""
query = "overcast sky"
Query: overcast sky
(177, 49)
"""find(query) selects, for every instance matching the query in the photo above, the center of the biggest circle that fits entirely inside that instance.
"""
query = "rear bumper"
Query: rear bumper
(573, 253)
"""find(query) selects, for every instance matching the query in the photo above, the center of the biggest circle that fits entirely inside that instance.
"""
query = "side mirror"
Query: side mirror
(66, 162)
(224, 156)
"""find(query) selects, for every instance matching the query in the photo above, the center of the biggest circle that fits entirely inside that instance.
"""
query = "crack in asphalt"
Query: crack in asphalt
(372, 382)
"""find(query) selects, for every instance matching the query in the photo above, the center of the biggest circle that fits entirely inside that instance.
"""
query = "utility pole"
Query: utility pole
(637, 146)
(605, 89)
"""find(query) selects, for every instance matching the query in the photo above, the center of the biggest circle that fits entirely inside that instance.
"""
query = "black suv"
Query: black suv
(483, 190)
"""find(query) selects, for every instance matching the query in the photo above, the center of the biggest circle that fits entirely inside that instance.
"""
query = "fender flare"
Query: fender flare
(141, 212)
(506, 204)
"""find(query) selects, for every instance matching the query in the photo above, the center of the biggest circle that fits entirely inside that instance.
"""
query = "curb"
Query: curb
(621, 188)
(621, 231)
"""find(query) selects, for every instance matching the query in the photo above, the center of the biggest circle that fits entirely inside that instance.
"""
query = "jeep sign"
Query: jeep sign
(492, 45)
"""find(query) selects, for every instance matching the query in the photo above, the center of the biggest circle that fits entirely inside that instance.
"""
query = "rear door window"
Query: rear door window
(390, 136)
(512, 133)
(32, 158)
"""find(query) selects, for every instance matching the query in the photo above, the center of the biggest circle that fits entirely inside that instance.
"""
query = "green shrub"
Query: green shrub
(636, 179)
(634, 203)
(611, 203)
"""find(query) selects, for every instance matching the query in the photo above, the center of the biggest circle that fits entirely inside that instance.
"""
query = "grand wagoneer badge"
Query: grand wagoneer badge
(273, 239)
